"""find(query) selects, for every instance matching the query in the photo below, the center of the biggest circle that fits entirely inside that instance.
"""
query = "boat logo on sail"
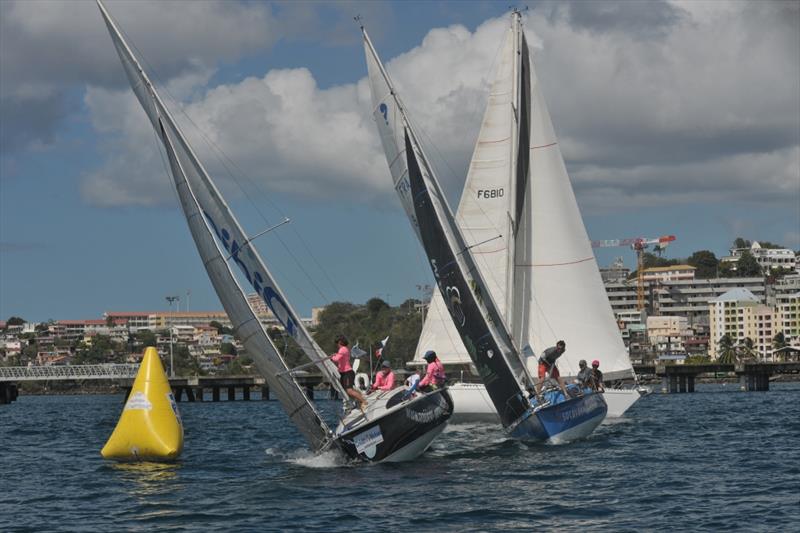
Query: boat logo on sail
(267, 293)
(384, 109)
(454, 304)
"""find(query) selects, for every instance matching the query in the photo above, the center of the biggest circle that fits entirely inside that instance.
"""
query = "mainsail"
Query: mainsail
(208, 217)
(517, 187)
(477, 320)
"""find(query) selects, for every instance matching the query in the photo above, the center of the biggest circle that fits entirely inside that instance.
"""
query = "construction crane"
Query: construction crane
(639, 245)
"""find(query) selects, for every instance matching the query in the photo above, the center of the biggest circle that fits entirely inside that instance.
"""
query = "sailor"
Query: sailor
(547, 365)
(412, 382)
(384, 379)
(434, 374)
(597, 376)
(584, 378)
(347, 377)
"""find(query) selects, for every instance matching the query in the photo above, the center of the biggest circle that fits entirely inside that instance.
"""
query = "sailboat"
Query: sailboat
(487, 329)
(391, 428)
(527, 235)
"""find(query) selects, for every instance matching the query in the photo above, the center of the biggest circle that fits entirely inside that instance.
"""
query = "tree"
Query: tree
(221, 330)
(741, 243)
(705, 264)
(747, 349)
(15, 321)
(747, 266)
(725, 350)
(226, 348)
(779, 341)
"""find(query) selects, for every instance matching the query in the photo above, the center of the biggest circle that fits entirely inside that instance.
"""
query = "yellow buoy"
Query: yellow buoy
(150, 427)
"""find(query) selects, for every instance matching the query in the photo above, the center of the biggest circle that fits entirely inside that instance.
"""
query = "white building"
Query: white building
(767, 258)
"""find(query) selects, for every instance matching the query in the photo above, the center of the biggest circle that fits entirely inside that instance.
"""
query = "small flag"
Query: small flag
(357, 352)
(379, 351)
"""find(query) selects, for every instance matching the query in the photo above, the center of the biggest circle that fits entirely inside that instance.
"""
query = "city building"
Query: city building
(767, 258)
(740, 314)
(668, 273)
(617, 272)
(157, 320)
(668, 334)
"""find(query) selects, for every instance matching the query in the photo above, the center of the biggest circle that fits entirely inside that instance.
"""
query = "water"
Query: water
(712, 460)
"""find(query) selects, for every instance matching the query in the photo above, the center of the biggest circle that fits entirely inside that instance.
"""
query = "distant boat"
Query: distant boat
(478, 319)
(520, 219)
(392, 428)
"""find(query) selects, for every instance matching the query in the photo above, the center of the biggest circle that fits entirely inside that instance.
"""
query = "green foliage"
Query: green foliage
(15, 321)
(185, 363)
(144, 338)
(652, 260)
(769, 245)
(747, 266)
(726, 351)
(40, 328)
(221, 330)
(370, 323)
(705, 264)
(102, 350)
(746, 349)
(697, 360)
(741, 243)
(779, 341)
(226, 348)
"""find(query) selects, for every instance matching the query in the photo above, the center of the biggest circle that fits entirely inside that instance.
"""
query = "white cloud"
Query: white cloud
(705, 110)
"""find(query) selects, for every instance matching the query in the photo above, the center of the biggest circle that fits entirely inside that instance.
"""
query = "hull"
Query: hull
(567, 421)
(472, 403)
(620, 400)
(394, 430)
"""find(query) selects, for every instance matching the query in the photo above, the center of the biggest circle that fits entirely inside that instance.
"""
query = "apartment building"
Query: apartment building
(740, 314)
(668, 334)
(668, 273)
(767, 258)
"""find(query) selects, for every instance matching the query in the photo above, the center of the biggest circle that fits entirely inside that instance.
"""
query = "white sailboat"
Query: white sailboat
(484, 324)
(541, 272)
(392, 428)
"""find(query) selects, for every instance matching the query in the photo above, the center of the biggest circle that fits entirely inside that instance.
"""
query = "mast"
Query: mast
(209, 216)
(470, 304)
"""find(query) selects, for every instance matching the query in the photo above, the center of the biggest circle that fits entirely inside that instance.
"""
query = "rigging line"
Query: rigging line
(555, 264)
(223, 157)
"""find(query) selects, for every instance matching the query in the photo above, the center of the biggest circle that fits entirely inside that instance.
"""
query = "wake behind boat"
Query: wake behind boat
(389, 430)
(485, 329)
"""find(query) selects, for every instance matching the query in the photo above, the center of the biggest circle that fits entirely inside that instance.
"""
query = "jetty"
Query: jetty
(192, 388)
(752, 376)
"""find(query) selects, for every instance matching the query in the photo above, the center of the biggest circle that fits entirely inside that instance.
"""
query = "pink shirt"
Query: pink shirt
(434, 374)
(384, 381)
(342, 359)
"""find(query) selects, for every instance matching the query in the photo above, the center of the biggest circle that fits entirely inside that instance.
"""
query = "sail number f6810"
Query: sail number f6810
(491, 193)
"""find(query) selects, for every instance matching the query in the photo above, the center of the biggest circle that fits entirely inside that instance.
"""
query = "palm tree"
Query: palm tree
(746, 349)
(726, 350)
(778, 342)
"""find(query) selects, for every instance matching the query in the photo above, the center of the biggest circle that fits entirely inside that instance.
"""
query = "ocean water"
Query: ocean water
(714, 460)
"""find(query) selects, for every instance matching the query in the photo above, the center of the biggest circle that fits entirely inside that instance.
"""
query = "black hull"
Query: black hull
(403, 432)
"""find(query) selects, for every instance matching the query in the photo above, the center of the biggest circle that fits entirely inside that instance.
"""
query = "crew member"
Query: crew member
(347, 377)
(434, 375)
(547, 364)
(384, 379)
(412, 382)
(584, 378)
(597, 376)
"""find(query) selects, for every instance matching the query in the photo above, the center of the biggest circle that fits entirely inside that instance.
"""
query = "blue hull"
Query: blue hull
(569, 420)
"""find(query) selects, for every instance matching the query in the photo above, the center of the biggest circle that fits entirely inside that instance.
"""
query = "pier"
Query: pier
(752, 376)
(192, 389)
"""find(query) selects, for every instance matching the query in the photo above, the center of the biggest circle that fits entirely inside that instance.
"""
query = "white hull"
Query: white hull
(471, 403)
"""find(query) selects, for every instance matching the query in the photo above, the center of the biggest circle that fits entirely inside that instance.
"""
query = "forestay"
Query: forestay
(208, 216)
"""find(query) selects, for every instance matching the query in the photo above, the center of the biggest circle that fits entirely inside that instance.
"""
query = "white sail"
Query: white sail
(208, 216)
(556, 285)
(568, 299)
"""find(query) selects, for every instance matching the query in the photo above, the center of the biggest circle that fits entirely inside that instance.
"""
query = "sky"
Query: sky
(673, 117)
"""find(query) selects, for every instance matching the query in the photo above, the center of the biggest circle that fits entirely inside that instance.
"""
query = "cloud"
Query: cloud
(48, 47)
(702, 107)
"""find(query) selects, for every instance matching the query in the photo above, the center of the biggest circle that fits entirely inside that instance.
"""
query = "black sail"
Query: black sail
(473, 328)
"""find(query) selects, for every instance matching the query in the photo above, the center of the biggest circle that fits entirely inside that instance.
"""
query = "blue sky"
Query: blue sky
(674, 118)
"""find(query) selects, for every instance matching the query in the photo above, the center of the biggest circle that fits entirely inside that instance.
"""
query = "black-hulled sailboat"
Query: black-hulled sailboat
(493, 343)
(391, 428)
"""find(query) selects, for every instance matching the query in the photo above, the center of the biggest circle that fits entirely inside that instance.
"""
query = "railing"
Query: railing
(64, 372)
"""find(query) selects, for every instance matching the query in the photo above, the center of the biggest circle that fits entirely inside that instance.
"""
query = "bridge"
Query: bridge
(192, 387)
(752, 376)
